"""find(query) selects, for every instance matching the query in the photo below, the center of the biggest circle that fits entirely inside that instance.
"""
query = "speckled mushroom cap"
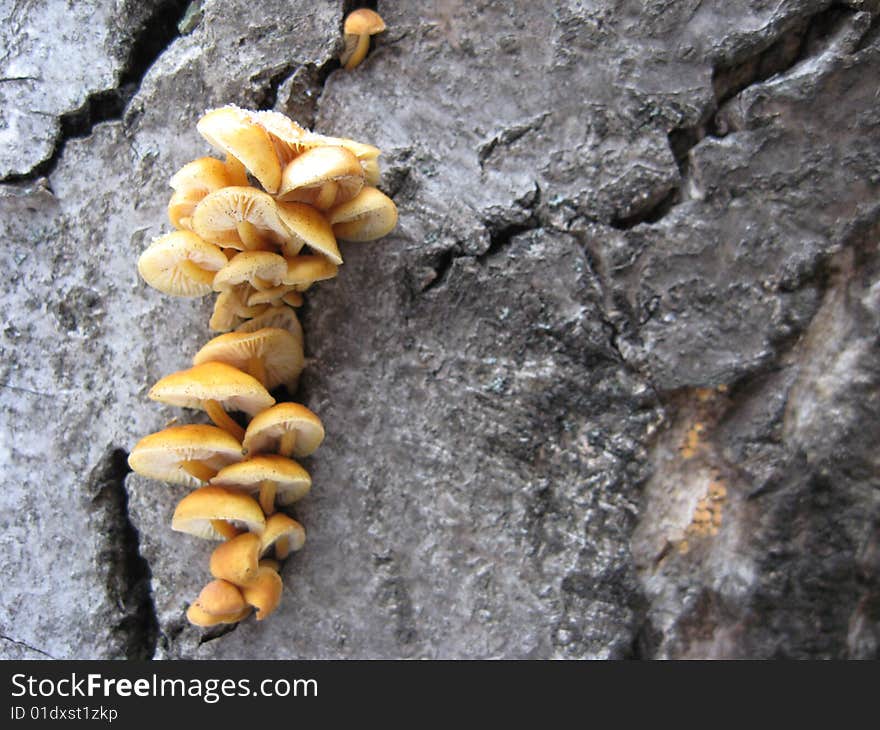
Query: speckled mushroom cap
(196, 512)
(303, 271)
(291, 480)
(260, 269)
(267, 428)
(219, 218)
(264, 592)
(234, 132)
(280, 526)
(279, 316)
(323, 177)
(220, 598)
(237, 560)
(181, 264)
(366, 217)
(217, 381)
(307, 226)
(280, 351)
(160, 455)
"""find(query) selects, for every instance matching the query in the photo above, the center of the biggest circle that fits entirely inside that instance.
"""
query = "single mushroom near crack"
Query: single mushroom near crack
(359, 25)
(214, 513)
(190, 455)
(271, 476)
(214, 387)
(272, 355)
(290, 429)
(181, 264)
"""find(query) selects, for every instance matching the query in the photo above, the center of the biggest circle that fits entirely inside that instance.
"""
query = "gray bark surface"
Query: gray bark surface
(637, 258)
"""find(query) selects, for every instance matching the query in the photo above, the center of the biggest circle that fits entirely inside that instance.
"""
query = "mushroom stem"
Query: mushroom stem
(202, 276)
(326, 195)
(267, 496)
(222, 419)
(360, 51)
(224, 528)
(257, 369)
(282, 548)
(199, 470)
(287, 444)
(249, 236)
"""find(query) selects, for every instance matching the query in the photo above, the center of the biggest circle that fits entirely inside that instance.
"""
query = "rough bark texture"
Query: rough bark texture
(636, 273)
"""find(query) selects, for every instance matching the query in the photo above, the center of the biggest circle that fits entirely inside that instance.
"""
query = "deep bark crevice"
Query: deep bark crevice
(128, 576)
(149, 40)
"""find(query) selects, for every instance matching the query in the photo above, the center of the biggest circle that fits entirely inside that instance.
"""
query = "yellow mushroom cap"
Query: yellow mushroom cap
(199, 617)
(217, 381)
(363, 21)
(197, 511)
(160, 455)
(292, 481)
(366, 217)
(280, 351)
(218, 217)
(280, 525)
(260, 269)
(307, 226)
(233, 131)
(303, 271)
(280, 316)
(266, 429)
(206, 174)
(307, 177)
(237, 560)
(264, 592)
(181, 264)
(220, 598)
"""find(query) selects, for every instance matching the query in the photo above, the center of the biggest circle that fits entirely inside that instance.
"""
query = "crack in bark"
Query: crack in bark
(803, 38)
(128, 576)
(149, 40)
(26, 646)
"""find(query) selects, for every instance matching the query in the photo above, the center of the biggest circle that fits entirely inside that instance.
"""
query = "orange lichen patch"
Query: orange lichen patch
(708, 513)
(692, 441)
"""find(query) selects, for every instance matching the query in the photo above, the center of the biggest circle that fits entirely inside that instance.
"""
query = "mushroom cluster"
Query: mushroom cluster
(258, 227)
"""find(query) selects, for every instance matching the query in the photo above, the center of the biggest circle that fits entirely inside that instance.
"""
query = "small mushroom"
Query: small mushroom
(366, 217)
(240, 217)
(214, 387)
(190, 454)
(272, 476)
(264, 592)
(285, 533)
(214, 513)
(220, 598)
(307, 227)
(181, 264)
(359, 26)
(234, 132)
(193, 182)
(290, 429)
(260, 269)
(303, 271)
(282, 317)
(237, 560)
(323, 177)
(272, 355)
